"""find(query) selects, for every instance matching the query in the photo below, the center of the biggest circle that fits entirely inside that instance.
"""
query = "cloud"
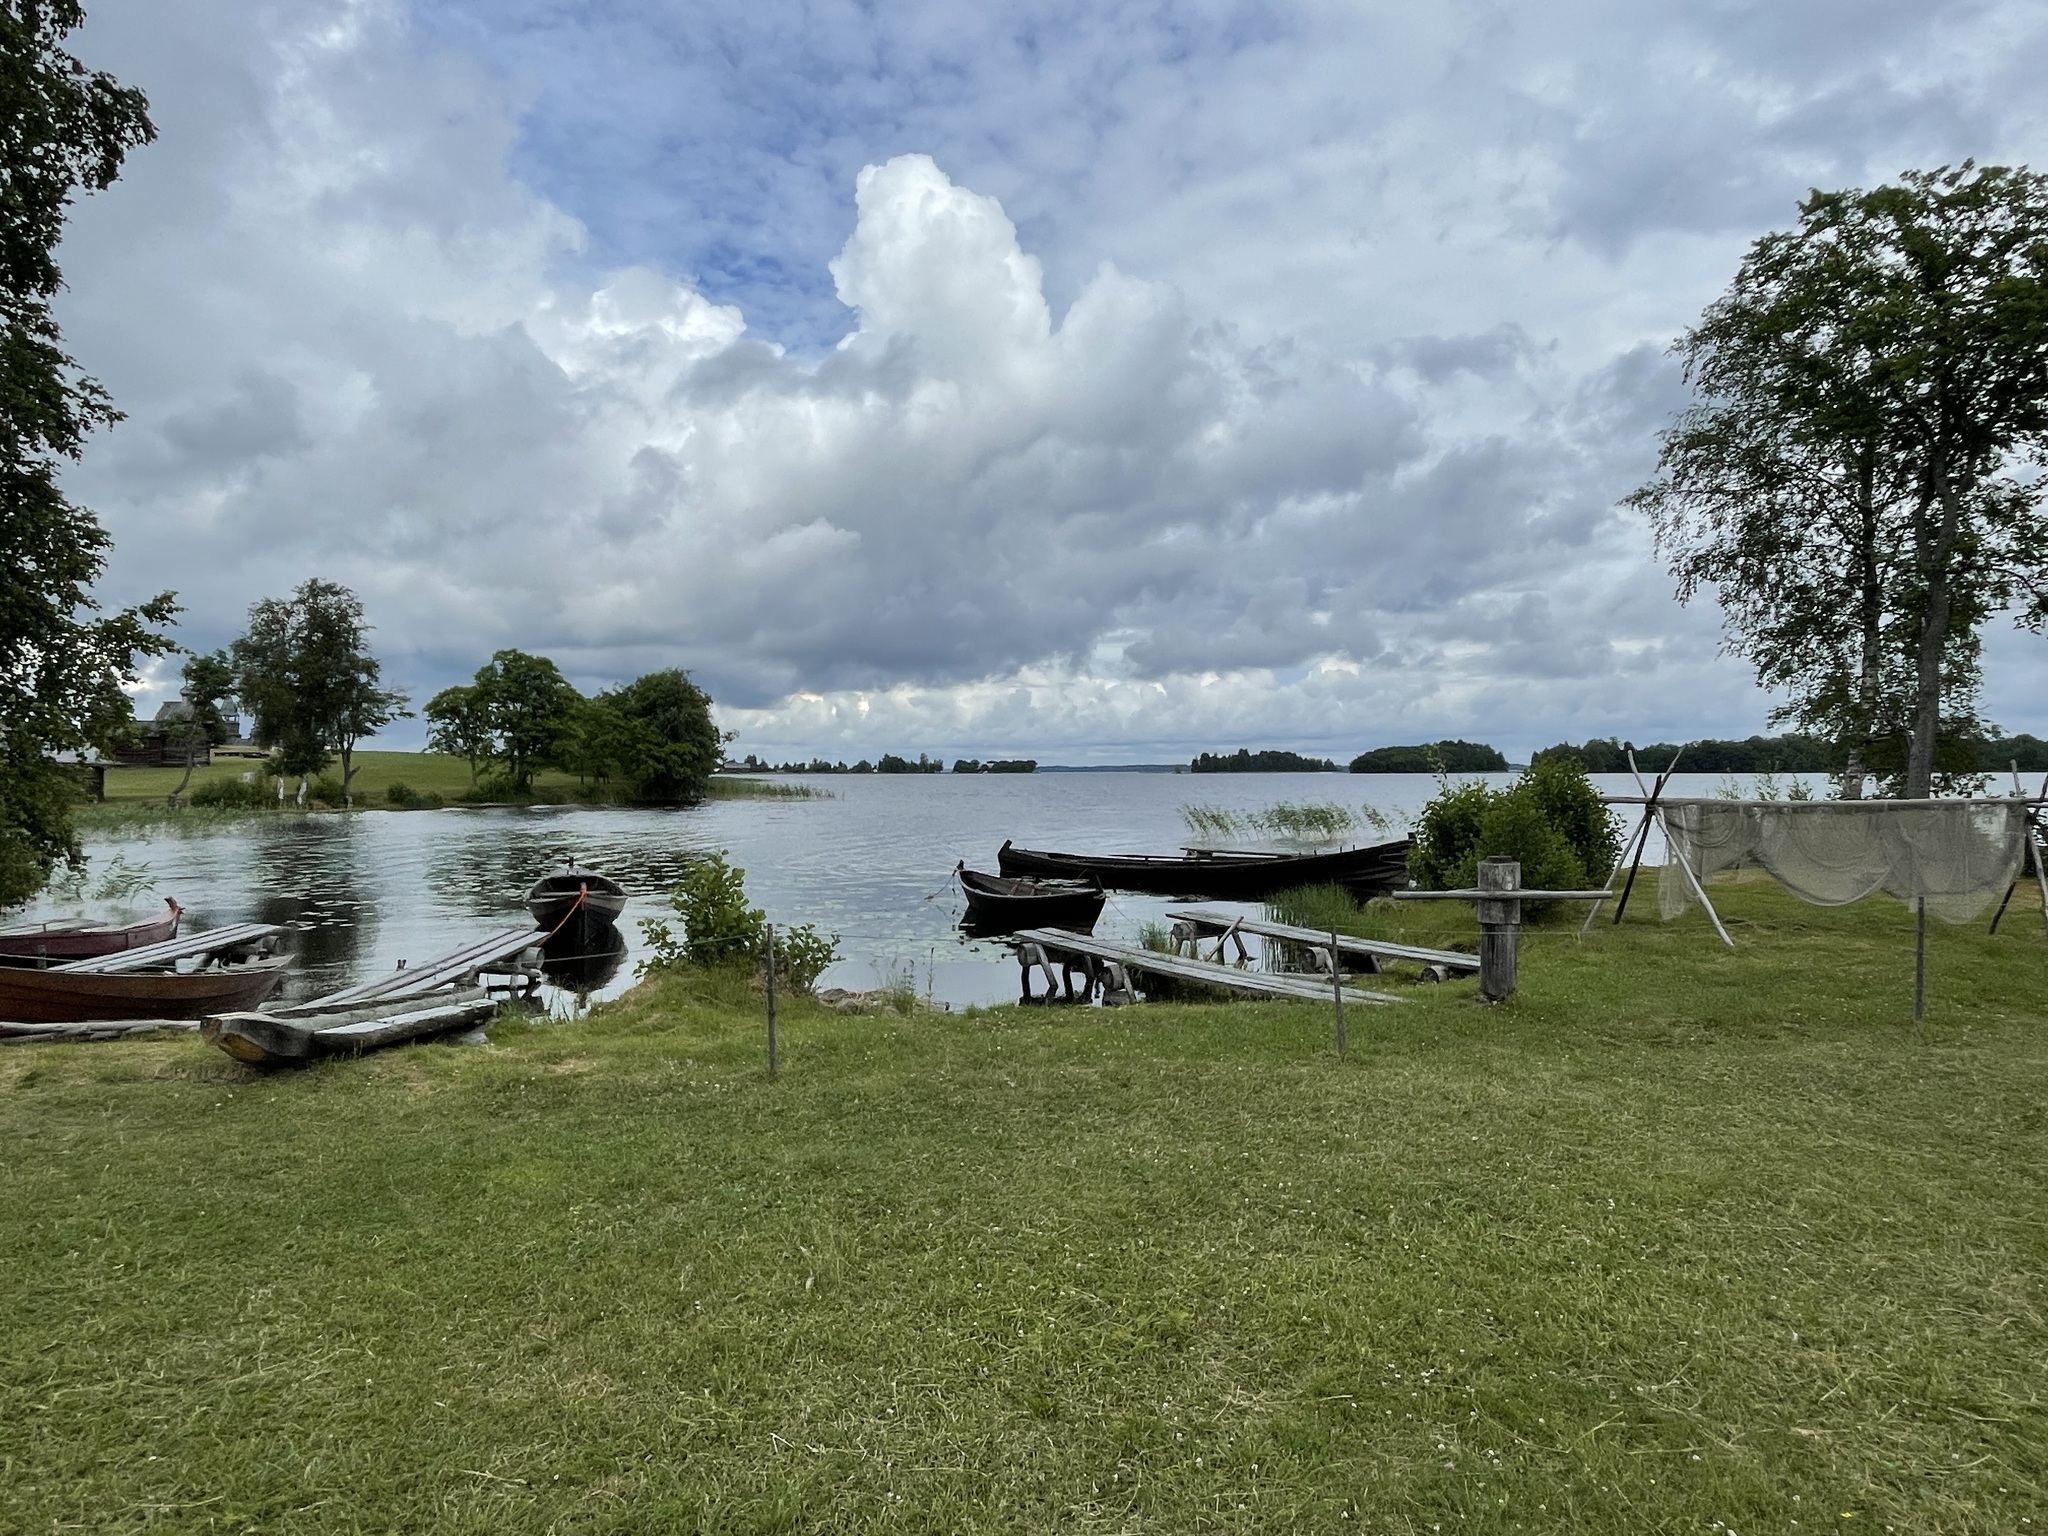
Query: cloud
(1100, 403)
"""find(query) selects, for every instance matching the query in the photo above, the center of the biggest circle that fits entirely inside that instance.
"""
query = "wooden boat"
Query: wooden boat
(591, 898)
(1221, 876)
(78, 938)
(998, 904)
(61, 996)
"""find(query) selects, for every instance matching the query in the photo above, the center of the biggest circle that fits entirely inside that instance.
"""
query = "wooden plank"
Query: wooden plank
(88, 1029)
(1057, 941)
(1450, 959)
(417, 981)
(267, 1039)
(153, 956)
(369, 1034)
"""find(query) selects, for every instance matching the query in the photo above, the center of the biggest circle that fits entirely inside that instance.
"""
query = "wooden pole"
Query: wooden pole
(1684, 863)
(1642, 833)
(1920, 963)
(2034, 847)
(1500, 923)
(771, 1000)
(1337, 990)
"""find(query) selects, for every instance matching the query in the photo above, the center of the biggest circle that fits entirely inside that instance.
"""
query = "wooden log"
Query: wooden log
(1227, 978)
(1500, 928)
(1366, 954)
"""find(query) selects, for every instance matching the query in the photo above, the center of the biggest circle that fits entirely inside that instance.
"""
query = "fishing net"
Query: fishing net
(1960, 856)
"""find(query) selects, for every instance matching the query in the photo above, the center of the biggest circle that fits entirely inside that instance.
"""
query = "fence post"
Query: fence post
(1500, 928)
(1337, 990)
(771, 999)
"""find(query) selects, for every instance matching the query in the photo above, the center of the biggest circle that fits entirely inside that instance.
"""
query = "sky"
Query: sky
(1094, 383)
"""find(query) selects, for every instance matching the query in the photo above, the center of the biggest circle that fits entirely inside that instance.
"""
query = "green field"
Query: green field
(137, 795)
(1678, 1240)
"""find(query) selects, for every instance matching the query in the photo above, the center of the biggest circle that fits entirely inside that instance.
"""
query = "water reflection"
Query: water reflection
(584, 962)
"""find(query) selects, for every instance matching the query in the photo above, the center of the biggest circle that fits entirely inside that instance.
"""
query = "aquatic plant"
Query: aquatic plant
(1307, 823)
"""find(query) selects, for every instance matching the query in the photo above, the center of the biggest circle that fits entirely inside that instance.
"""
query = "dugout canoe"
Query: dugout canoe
(594, 900)
(76, 938)
(1000, 904)
(1222, 875)
(31, 996)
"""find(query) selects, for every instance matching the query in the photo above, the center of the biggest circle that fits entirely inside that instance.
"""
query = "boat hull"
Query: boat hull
(55, 942)
(1364, 872)
(72, 997)
(999, 904)
(553, 901)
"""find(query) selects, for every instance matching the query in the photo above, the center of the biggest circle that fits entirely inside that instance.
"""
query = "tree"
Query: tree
(1874, 390)
(459, 724)
(209, 681)
(676, 748)
(305, 671)
(529, 707)
(62, 129)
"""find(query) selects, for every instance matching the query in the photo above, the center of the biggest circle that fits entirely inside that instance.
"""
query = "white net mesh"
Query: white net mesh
(1959, 855)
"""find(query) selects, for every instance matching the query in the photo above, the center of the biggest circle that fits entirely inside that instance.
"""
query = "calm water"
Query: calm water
(873, 864)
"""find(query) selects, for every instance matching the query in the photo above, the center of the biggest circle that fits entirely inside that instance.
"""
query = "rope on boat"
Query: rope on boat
(574, 906)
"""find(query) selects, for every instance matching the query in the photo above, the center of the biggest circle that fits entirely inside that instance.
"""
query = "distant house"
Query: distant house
(160, 744)
(87, 768)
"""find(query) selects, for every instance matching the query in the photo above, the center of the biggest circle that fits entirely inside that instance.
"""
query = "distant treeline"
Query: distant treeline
(1435, 757)
(1243, 760)
(889, 762)
(1776, 754)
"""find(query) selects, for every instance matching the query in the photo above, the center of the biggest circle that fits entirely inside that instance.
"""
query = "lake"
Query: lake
(872, 863)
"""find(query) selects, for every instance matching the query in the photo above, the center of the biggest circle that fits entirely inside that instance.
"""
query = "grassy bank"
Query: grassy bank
(136, 796)
(1678, 1240)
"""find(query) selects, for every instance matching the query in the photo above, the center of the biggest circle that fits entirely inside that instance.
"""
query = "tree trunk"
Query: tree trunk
(1932, 549)
(1871, 622)
(348, 771)
(191, 757)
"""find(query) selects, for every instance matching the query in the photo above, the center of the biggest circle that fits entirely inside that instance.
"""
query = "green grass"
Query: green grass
(136, 796)
(1678, 1240)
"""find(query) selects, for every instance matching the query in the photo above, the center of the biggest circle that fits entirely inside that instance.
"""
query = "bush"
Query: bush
(406, 798)
(234, 793)
(719, 928)
(1551, 820)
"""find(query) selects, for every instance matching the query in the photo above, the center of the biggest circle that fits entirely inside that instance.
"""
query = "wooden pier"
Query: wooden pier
(1106, 965)
(1371, 954)
(237, 941)
(437, 997)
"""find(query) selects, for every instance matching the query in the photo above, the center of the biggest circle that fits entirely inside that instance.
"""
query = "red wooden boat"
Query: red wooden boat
(32, 996)
(78, 938)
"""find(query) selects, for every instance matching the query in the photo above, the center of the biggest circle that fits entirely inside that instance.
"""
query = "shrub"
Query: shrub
(719, 928)
(1551, 820)
(234, 793)
(405, 797)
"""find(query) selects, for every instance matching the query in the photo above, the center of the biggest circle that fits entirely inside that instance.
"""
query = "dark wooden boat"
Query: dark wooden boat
(998, 904)
(82, 938)
(64, 997)
(1221, 876)
(573, 891)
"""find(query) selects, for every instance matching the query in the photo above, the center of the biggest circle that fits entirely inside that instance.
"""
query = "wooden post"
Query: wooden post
(1920, 964)
(771, 999)
(1500, 925)
(1337, 990)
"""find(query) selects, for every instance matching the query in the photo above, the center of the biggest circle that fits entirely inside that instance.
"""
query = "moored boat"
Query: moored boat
(33, 996)
(82, 938)
(575, 892)
(1221, 875)
(998, 904)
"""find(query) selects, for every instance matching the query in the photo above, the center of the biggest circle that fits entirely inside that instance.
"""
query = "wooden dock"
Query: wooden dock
(436, 997)
(237, 939)
(1370, 953)
(87, 1029)
(1107, 965)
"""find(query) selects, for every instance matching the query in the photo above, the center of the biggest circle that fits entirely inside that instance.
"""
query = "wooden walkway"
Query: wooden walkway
(1221, 926)
(237, 937)
(499, 955)
(1103, 963)
(436, 997)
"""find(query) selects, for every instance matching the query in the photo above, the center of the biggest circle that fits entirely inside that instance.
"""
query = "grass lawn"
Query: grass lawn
(135, 796)
(1678, 1240)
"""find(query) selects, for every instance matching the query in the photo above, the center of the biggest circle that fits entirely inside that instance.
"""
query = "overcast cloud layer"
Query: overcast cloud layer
(1107, 384)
